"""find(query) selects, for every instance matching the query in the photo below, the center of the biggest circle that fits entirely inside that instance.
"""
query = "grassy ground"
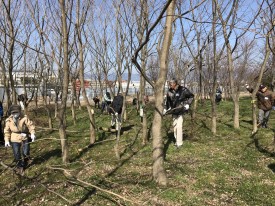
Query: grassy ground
(231, 168)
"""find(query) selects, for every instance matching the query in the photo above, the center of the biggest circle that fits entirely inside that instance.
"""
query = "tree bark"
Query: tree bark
(65, 85)
(159, 172)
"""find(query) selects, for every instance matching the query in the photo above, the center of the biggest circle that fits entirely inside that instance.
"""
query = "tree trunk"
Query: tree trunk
(214, 86)
(159, 173)
(81, 75)
(62, 111)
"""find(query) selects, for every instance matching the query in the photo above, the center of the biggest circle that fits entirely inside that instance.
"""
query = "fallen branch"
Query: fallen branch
(106, 191)
(69, 175)
(46, 128)
(59, 195)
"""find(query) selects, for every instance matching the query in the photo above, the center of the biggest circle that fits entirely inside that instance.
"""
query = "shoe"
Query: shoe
(28, 162)
(178, 146)
(19, 171)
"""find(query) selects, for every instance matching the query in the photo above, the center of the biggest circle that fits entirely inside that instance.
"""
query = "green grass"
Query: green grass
(231, 168)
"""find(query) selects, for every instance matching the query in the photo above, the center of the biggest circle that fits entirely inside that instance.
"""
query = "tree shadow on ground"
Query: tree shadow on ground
(103, 136)
(46, 156)
(264, 150)
(170, 139)
(272, 167)
(204, 125)
(125, 129)
(248, 121)
(92, 191)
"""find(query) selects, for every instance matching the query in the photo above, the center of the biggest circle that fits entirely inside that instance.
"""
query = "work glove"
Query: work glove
(165, 111)
(116, 114)
(7, 144)
(186, 106)
(246, 86)
(32, 137)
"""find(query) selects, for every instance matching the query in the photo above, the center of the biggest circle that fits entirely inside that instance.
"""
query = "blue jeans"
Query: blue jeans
(17, 147)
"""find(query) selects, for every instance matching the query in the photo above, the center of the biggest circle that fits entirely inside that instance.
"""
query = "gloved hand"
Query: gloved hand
(186, 106)
(7, 144)
(116, 114)
(246, 86)
(32, 137)
(165, 111)
(273, 108)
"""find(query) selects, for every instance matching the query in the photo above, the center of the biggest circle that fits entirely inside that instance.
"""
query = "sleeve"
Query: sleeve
(167, 102)
(7, 131)
(1, 111)
(30, 125)
(186, 96)
(250, 89)
(273, 98)
(106, 98)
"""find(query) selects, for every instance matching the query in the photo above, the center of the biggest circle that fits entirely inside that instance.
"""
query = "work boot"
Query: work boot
(27, 161)
(19, 171)
(264, 126)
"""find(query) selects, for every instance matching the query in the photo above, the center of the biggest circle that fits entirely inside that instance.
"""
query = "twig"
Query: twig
(46, 128)
(68, 174)
(107, 191)
(59, 195)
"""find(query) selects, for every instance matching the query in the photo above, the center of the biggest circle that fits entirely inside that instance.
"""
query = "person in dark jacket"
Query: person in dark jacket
(218, 96)
(96, 101)
(265, 100)
(177, 103)
(116, 110)
(22, 99)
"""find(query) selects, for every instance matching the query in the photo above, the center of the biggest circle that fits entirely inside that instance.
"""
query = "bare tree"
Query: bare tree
(11, 10)
(159, 173)
(62, 111)
(81, 17)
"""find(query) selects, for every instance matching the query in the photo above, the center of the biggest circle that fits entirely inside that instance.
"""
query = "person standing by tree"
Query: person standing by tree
(22, 99)
(96, 101)
(178, 100)
(116, 110)
(218, 96)
(107, 100)
(17, 130)
(265, 100)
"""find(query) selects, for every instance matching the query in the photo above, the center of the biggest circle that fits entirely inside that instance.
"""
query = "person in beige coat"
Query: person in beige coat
(19, 131)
